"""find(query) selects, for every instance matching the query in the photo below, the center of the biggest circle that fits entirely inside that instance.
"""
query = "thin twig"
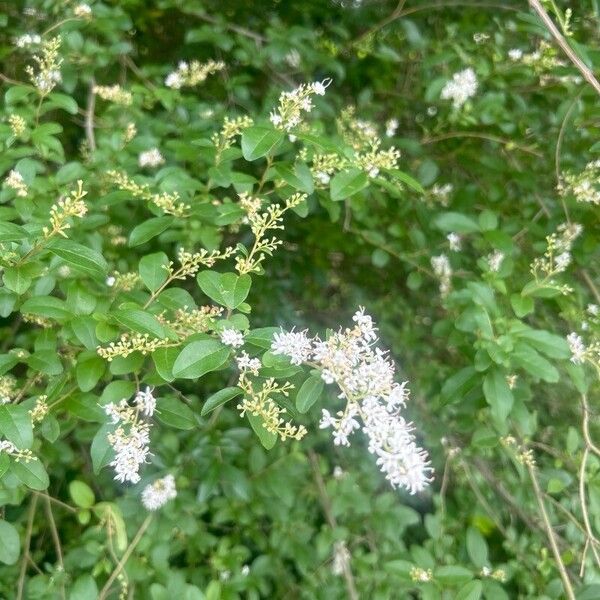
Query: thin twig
(536, 5)
(482, 136)
(550, 533)
(89, 116)
(56, 540)
(134, 542)
(331, 520)
(23, 571)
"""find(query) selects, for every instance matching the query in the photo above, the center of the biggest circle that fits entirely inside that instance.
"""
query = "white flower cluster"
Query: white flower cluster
(495, 260)
(157, 494)
(441, 193)
(232, 337)
(455, 241)
(191, 74)
(585, 186)
(292, 104)
(151, 158)
(515, 54)
(27, 40)
(365, 375)
(131, 438)
(83, 11)
(391, 127)
(461, 87)
(443, 271)
(577, 348)
(16, 182)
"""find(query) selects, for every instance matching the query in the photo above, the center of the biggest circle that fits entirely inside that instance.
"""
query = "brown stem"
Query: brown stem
(536, 5)
(23, 571)
(331, 520)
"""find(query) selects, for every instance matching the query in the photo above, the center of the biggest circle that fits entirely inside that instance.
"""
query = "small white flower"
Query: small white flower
(231, 337)
(495, 261)
(515, 54)
(110, 281)
(391, 127)
(461, 87)
(294, 344)
(245, 363)
(157, 494)
(455, 241)
(245, 570)
(82, 11)
(577, 348)
(151, 158)
(319, 87)
(338, 472)
(146, 401)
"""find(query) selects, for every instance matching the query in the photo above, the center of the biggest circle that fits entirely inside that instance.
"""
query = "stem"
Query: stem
(89, 116)
(56, 540)
(550, 533)
(326, 504)
(23, 572)
(536, 5)
(134, 542)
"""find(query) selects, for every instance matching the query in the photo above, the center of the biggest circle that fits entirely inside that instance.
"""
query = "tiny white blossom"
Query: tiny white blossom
(461, 87)
(110, 281)
(151, 158)
(455, 241)
(245, 363)
(495, 260)
(232, 337)
(245, 570)
(294, 344)
(577, 348)
(146, 401)
(157, 494)
(82, 11)
(515, 54)
(391, 127)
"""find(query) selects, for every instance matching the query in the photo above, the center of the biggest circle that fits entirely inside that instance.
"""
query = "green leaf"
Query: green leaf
(9, 232)
(100, 450)
(498, 394)
(347, 183)
(267, 439)
(63, 101)
(309, 393)
(17, 279)
(261, 337)
(259, 141)
(452, 575)
(145, 231)
(522, 305)
(84, 329)
(199, 358)
(15, 425)
(411, 182)
(298, 176)
(82, 494)
(81, 258)
(477, 548)
(46, 361)
(219, 398)
(530, 360)
(550, 344)
(164, 359)
(140, 321)
(175, 413)
(470, 591)
(89, 369)
(10, 545)
(84, 588)
(152, 270)
(456, 222)
(459, 384)
(32, 473)
(227, 289)
(46, 306)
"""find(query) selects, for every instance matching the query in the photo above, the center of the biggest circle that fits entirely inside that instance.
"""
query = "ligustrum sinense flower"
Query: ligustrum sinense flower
(225, 138)
(461, 87)
(191, 74)
(15, 182)
(157, 494)
(17, 124)
(585, 186)
(9, 448)
(443, 271)
(151, 158)
(292, 105)
(168, 202)
(557, 256)
(47, 74)
(131, 437)
(65, 209)
(114, 93)
(364, 374)
(261, 222)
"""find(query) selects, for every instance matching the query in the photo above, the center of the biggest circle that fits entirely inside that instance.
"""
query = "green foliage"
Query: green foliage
(165, 211)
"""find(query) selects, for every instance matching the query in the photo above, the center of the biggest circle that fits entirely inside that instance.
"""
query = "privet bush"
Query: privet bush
(207, 211)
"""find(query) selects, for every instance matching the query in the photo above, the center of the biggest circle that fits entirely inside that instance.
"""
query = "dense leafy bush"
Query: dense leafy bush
(197, 200)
